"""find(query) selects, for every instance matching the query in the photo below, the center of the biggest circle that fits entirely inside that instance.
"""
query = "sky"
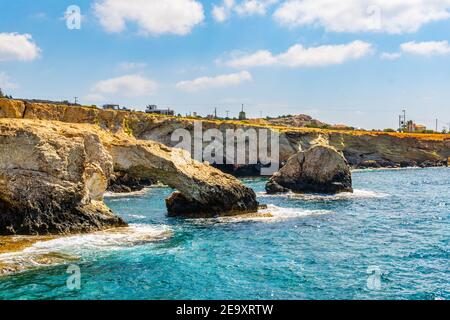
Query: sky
(354, 62)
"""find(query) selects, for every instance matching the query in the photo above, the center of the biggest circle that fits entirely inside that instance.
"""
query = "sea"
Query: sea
(390, 239)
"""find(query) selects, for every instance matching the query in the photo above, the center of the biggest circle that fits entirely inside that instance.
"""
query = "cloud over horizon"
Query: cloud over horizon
(6, 82)
(220, 81)
(129, 86)
(299, 56)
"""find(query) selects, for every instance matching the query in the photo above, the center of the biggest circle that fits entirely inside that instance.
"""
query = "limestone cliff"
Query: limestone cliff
(53, 176)
(361, 149)
(52, 179)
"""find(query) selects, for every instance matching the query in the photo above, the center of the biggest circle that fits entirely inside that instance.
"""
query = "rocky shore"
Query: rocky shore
(53, 176)
(362, 149)
(57, 161)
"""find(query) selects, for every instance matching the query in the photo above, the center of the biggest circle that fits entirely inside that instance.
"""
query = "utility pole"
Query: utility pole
(404, 120)
(436, 125)
(76, 99)
(228, 113)
(215, 113)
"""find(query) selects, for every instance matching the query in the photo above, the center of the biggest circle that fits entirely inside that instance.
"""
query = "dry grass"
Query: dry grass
(261, 123)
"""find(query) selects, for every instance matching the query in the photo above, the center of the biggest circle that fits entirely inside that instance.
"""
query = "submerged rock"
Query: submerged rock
(319, 169)
(52, 180)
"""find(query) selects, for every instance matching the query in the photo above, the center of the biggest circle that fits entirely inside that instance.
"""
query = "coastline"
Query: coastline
(22, 253)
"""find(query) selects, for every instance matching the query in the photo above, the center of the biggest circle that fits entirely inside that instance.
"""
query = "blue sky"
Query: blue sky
(360, 63)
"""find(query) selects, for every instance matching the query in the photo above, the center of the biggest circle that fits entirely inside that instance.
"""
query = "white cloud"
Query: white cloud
(299, 56)
(426, 48)
(390, 55)
(225, 80)
(152, 16)
(128, 85)
(94, 97)
(399, 16)
(223, 11)
(254, 7)
(14, 46)
(6, 82)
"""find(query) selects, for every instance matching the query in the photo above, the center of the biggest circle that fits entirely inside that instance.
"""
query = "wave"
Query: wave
(141, 192)
(357, 194)
(136, 216)
(138, 193)
(72, 248)
(271, 214)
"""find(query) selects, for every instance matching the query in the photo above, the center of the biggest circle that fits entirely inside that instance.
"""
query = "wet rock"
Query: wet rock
(319, 169)
(122, 182)
(408, 164)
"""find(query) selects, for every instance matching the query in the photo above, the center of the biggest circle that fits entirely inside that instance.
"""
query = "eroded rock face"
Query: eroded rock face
(319, 169)
(386, 149)
(53, 176)
(52, 179)
(202, 191)
(122, 182)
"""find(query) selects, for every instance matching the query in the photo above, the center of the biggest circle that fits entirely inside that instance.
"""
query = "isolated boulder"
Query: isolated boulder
(52, 179)
(320, 169)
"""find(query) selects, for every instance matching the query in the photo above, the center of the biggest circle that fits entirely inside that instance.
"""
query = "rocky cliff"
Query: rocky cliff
(52, 179)
(361, 149)
(53, 176)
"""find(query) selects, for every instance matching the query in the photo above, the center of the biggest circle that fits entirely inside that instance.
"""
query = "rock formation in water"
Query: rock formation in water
(53, 176)
(122, 182)
(319, 169)
(202, 191)
(52, 179)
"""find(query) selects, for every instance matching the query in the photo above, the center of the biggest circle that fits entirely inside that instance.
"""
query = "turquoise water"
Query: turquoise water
(315, 247)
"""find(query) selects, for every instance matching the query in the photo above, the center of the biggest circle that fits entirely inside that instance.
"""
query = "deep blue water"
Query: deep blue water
(314, 247)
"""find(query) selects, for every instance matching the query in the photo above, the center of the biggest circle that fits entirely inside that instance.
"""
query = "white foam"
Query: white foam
(127, 194)
(72, 248)
(110, 239)
(357, 194)
(271, 214)
(281, 213)
(138, 193)
(136, 216)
